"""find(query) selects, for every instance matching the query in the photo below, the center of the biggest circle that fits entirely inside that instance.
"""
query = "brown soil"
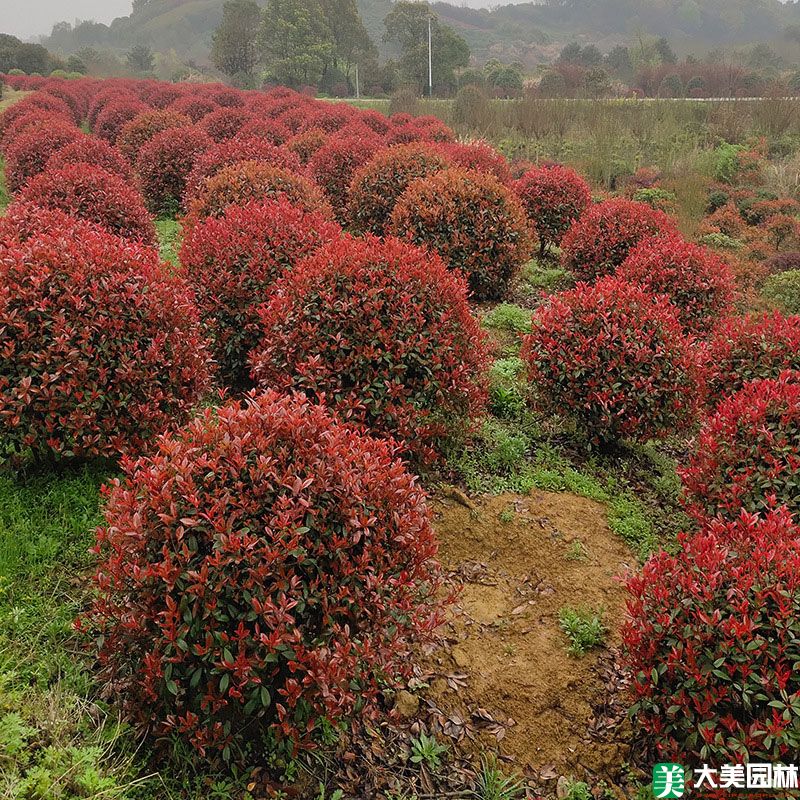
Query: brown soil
(506, 672)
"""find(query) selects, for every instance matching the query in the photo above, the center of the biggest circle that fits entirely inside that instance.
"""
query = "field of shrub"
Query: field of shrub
(287, 389)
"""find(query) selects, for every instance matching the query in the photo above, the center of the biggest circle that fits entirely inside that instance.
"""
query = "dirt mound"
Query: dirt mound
(506, 672)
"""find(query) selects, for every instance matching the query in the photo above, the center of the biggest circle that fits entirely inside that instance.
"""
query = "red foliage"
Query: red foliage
(748, 452)
(269, 129)
(244, 181)
(94, 195)
(698, 283)
(335, 162)
(751, 348)
(91, 150)
(28, 155)
(141, 129)
(616, 360)
(713, 624)
(164, 165)
(101, 347)
(225, 154)
(113, 118)
(553, 197)
(37, 119)
(472, 221)
(305, 144)
(376, 187)
(34, 103)
(225, 123)
(308, 539)
(382, 332)
(192, 106)
(479, 156)
(601, 239)
(233, 263)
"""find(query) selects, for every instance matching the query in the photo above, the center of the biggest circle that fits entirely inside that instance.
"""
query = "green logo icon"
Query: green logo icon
(668, 780)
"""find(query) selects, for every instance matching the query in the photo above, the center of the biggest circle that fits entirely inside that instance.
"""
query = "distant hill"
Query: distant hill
(529, 32)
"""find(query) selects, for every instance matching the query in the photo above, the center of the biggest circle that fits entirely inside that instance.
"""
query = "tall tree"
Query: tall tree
(407, 27)
(234, 49)
(141, 60)
(350, 40)
(296, 42)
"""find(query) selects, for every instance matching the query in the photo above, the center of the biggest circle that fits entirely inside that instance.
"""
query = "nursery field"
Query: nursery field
(410, 456)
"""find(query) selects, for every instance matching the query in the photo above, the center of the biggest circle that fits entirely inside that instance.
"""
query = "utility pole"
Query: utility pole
(430, 60)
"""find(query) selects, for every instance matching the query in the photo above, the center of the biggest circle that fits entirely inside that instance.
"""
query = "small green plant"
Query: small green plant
(508, 388)
(577, 551)
(507, 515)
(783, 291)
(578, 790)
(426, 750)
(584, 629)
(508, 317)
(338, 794)
(493, 784)
(543, 277)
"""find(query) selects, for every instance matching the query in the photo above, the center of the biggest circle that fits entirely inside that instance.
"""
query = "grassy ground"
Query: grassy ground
(4, 196)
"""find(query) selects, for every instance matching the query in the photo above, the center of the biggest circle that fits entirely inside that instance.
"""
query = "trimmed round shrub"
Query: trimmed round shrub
(479, 156)
(335, 162)
(377, 186)
(94, 195)
(553, 197)
(382, 332)
(225, 154)
(242, 182)
(269, 129)
(113, 118)
(141, 129)
(91, 150)
(711, 643)
(305, 144)
(472, 221)
(616, 360)
(36, 119)
(278, 595)
(37, 102)
(233, 263)
(603, 237)
(164, 165)
(102, 347)
(23, 221)
(192, 106)
(748, 452)
(697, 281)
(28, 155)
(225, 123)
(750, 348)
(783, 291)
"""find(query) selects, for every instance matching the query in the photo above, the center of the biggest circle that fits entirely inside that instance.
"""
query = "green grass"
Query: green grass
(583, 627)
(169, 239)
(5, 198)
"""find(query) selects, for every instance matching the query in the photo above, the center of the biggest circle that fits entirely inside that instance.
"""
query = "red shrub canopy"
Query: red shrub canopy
(28, 155)
(91, 150)
(308, 539)
(384, 333)
(225, 123)
(479, 156)
(142, 128)
(615, 359)
(472, 221)
(233, 263)
(101, 347)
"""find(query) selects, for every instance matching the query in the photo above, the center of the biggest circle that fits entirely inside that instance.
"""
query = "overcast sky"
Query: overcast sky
(26, 18)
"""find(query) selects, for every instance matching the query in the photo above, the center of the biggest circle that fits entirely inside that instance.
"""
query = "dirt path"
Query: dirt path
(507, 673)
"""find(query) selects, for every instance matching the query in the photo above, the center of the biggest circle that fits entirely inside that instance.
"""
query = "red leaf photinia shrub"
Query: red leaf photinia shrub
(553, 197)
(164, 165)
(100, 348)
(91, 150)
(306, 143)
(113, 118)
(479, 156)
(141, 129)
(244, 181)
(598, 242)
(225, 123)
(33, 103)
(233, 262)
(616, 360)
(335, 162)
(753, 347)
(747, 454)
(35, 119)
(284, 588)
(472, 221)
(28, 155)
(376, 187)
(698, 282)
(94, 195)
(711, 643)
(193, 107)
(383, 332)
(225, 154)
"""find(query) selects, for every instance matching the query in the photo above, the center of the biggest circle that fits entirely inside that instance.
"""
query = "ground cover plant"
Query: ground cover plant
(288, 411)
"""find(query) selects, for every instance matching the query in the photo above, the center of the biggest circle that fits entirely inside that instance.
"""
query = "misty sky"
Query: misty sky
(27, 18)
